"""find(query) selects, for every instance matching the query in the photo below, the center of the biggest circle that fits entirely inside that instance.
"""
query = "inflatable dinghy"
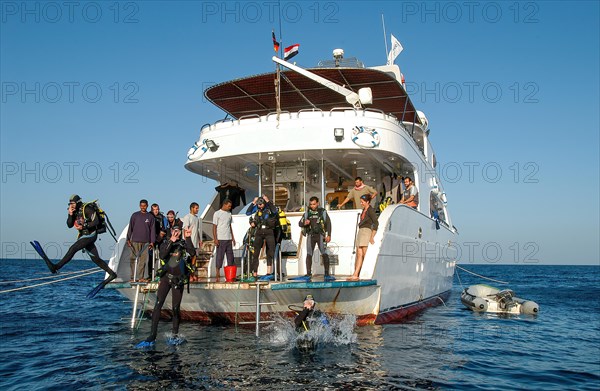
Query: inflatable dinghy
(485, 298)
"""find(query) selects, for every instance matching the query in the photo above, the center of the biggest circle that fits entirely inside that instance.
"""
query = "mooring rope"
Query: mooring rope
(459, 280)
(479, 275)
(47, 277)
(97, 270)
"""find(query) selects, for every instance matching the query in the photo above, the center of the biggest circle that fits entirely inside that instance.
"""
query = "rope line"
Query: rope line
(51, 282)
(459, 280)
(47, 277)
(479, 275)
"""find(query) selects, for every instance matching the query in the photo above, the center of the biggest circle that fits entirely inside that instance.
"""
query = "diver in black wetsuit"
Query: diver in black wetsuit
(86, 220)
(174, 254)
(301, 320)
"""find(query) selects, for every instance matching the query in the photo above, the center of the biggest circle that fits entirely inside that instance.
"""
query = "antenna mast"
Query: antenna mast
(384, 37)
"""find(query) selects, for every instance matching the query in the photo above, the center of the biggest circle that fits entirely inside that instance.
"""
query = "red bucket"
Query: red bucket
(230, 273)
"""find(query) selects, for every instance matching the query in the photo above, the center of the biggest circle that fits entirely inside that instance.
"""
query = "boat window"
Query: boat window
(274, 185)
(291, 184)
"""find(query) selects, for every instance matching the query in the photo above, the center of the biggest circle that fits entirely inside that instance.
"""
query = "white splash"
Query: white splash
(336, 330)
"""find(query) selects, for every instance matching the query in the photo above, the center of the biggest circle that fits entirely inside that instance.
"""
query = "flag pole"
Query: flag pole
(384, 37)
(278, 81)
(278, 92)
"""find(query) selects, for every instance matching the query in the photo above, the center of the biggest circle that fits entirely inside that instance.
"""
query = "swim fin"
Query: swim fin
(145, 344)
(329, 278)
(301, 278)
(266, 277)
(100, 286)
(38, 248)
(175, 340)
(95, 291)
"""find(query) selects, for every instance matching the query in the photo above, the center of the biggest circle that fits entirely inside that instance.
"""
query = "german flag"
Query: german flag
(275, 43)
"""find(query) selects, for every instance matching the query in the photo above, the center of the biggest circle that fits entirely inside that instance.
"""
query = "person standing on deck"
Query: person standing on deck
(172, 221)
(141, 232)
(264, 218)
(160, 228)
(223, 235)
(316, 225)
(367, 228)
(192, 221)
(359, 189)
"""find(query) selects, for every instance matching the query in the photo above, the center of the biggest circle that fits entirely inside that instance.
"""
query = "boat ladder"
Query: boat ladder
(258, 305)
(144, 288)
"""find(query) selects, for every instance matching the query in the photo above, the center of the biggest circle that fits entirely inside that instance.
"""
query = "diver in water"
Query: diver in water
(85, 217)
(305, 342)
(308, 311)
(175, 254)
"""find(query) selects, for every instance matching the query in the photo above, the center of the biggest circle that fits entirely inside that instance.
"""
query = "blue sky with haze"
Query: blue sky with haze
(104, 99)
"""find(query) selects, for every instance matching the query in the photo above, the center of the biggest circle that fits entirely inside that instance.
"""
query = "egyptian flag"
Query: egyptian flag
(275, 43)
(290, 51)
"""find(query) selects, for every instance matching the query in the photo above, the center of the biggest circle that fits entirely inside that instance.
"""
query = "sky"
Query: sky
(104, 99)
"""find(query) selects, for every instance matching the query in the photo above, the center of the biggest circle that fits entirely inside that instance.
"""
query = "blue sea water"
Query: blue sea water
(53, 338)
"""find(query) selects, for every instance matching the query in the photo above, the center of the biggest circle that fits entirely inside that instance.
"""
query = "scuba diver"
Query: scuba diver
(263, 217)
(306, 342)
(175, 255)
(316, 226)
(89, 220)
(308, 310)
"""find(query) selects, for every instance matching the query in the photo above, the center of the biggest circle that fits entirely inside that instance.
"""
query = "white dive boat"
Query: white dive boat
(485, 298)
(297, 133)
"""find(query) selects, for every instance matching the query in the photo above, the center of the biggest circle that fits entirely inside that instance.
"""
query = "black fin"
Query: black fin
(38, 248)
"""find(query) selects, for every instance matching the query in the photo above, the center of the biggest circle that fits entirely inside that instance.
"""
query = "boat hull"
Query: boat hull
(217, 303)
(400, 276)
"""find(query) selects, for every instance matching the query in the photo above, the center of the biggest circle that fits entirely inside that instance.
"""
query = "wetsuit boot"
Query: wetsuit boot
(328, 277)
(308, 266)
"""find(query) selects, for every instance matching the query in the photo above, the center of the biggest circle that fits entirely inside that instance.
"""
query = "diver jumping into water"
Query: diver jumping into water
(85, 217)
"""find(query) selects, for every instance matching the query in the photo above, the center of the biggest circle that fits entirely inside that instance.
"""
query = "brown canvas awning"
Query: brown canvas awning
(256, 94)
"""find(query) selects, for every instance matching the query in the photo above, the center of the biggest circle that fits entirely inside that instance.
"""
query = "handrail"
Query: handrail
(275, 113)
(343, 109)
(223, 121)
(373, 111)
(206, 125)
(313, 110)
(248, 116)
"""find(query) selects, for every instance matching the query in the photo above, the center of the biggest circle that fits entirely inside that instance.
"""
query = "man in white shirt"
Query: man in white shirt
(223, 236)
(192, 221)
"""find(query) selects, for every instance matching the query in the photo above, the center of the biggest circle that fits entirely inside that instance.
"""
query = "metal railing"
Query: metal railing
(258, 305)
